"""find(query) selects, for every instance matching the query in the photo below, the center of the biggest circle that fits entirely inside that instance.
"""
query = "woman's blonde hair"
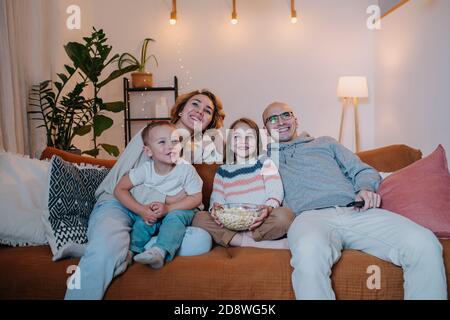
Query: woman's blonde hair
(218, 114)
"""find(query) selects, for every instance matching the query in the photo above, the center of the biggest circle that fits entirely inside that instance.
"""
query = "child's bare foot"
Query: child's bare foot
(153, 257)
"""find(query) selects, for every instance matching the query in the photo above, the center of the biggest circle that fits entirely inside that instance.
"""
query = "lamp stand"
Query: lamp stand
(344, 104)
(356, 138)
(355, 113)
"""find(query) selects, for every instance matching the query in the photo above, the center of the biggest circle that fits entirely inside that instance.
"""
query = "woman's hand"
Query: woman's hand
(214, 215)
(265, 212)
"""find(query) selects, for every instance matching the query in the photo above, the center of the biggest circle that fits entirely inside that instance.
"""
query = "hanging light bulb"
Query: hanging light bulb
(173, 14)
(234, 19)
(293, 12)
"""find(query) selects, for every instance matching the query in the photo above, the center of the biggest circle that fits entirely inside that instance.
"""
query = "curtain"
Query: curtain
(24, 61)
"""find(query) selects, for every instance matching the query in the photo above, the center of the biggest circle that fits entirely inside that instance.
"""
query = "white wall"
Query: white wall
(261, 59)
(413, 76)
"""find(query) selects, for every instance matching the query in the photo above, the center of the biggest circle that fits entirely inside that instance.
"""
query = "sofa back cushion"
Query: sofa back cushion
(386, 159)
(390, 158)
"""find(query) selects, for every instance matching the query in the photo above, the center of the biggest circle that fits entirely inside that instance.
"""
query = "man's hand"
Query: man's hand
(265, 212)
(371, 199)
(147, 214)
(160, 209)
(214, 215)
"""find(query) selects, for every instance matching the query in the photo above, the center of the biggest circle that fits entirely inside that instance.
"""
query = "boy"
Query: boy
(169, 175)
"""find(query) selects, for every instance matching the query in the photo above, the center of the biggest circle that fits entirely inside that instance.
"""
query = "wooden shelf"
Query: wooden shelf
(127, 111)
(151, 89)
(147, 119)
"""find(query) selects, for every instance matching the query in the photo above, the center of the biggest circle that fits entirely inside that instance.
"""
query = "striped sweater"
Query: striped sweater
(256, 183)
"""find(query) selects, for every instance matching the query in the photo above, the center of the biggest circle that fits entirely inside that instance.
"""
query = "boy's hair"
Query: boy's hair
(253, 125)
(154, 124)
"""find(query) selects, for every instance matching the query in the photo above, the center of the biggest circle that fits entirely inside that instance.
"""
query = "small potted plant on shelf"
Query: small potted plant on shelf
(141, 78)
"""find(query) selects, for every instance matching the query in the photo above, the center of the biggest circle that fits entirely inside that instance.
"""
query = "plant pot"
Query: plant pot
(141, 80)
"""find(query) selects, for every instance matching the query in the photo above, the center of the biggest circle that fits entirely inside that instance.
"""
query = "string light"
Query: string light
(173, 14)
(184, 82)
(293, 12)
(234, 19)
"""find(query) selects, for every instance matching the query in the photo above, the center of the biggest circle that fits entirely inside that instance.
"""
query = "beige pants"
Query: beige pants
(275, 226)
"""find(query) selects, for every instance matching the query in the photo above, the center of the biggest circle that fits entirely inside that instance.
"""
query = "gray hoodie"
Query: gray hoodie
(321, 173)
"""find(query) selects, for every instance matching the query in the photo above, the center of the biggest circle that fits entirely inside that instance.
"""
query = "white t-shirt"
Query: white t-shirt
(182, 177)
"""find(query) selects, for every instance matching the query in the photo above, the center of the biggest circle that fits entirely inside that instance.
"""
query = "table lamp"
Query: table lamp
(352, 88)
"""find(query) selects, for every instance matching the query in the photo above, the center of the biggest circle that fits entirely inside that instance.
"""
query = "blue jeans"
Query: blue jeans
(109, 241)
(171, 231)
(317, 237)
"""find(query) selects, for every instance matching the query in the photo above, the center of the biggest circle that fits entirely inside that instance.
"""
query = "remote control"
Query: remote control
(356, 204)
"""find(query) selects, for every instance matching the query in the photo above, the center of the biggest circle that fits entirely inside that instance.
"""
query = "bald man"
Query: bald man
(321, 177)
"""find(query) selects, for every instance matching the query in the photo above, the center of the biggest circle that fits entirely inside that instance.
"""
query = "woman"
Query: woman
(109, 224)
(194, 114)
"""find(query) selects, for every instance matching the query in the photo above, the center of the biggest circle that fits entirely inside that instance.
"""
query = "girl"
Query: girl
(250, 179)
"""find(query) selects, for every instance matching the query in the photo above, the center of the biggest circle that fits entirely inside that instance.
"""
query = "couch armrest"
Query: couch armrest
(68, 156)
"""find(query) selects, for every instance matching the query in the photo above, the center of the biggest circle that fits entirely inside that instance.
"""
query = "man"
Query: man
(321, 177)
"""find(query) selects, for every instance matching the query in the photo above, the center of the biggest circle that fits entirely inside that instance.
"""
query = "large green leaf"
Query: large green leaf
(93, 152)
(101, 123)
(118, 73)
(115, 107)
(112, 150)
(79, 54)
(81, 131)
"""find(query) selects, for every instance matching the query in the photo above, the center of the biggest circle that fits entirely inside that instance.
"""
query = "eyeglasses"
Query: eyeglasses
(276, 117)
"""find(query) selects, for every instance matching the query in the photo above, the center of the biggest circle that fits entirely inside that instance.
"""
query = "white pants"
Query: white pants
(317, 237)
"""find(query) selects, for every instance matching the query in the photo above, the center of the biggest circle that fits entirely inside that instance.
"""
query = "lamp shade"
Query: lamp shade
(352, 87)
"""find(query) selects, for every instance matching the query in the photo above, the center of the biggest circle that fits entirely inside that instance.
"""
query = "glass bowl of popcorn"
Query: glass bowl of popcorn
(237, 216)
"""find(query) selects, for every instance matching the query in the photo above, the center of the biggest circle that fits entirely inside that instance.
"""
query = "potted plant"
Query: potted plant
(141, 78)
(77, 113)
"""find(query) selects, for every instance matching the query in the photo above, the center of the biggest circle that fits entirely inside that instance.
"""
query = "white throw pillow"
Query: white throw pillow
(23, 198)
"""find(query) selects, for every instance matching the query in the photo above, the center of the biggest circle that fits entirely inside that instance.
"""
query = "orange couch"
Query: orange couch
(223, 273)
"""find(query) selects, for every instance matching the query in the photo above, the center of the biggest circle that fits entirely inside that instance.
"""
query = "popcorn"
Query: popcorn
(237, 217)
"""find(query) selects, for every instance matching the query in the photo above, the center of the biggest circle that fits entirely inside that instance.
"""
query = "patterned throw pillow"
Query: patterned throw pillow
(71, 199)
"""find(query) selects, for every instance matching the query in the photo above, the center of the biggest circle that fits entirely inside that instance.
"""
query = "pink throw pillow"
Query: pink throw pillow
(421, 192)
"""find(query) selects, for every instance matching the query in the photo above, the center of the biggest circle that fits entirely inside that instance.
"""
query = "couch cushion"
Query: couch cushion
(421, 192)
(223, 273)
(23, 199)
(390, 158)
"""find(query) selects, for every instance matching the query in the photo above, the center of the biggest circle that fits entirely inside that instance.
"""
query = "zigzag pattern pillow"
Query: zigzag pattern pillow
(71, 199)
